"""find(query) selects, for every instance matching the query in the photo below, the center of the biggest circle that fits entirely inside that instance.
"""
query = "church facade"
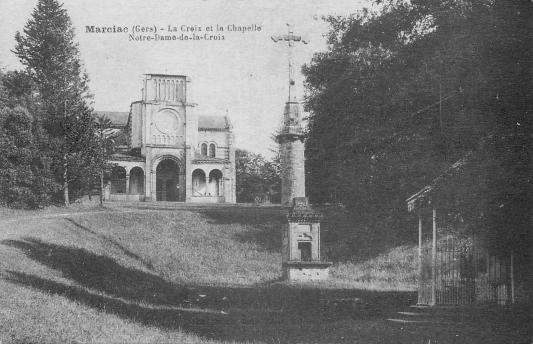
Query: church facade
(166, 151)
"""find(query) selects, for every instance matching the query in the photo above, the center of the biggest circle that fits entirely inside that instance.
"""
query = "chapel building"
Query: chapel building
(166, 151)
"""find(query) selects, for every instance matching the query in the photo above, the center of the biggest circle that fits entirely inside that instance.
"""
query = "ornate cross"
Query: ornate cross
(290, 38)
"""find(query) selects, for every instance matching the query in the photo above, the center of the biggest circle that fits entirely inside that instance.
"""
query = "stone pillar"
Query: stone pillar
(292, 170)
(301, 258)
(188, 174)
(182, 186)
(231, 185)
(127, 183)
(292, 157)
(191, 132)
(153, 194)
(148, 176)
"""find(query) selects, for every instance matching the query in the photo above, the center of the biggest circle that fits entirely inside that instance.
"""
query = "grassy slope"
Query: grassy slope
(187, 276)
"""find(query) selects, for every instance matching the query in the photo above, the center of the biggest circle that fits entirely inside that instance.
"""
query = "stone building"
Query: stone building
(166, 151)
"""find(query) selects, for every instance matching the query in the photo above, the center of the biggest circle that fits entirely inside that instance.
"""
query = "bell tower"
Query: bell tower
(164, 112)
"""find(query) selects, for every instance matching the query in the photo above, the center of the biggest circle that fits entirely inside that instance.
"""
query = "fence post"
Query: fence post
(434, 260)
(512, 279)
(420, 269)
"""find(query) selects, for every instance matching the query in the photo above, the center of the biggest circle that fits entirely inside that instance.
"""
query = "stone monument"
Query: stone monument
(301, 234)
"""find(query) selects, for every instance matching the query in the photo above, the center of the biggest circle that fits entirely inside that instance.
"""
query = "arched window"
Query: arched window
(212, 150)
(204, 149)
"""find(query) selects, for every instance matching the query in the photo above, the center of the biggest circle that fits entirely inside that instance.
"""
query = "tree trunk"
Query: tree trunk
(102, 153)
(102, 188)
(65, 181)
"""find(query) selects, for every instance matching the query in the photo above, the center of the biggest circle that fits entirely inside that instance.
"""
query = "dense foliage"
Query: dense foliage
(54, 89)
(258, 180)
(405, 91)
(25, 180)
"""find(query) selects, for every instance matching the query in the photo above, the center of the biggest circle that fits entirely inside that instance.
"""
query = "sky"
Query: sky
(245, 75)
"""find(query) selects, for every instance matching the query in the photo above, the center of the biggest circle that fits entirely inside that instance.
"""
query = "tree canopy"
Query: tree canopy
(405, 91)
(257, 178)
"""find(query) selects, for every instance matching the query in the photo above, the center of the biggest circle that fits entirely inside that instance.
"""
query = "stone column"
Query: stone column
(292, 155)
(182, 187)
(188, 174)
(127, 183)
(153, 194)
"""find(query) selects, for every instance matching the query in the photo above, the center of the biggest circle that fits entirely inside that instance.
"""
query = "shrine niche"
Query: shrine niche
(301, 259)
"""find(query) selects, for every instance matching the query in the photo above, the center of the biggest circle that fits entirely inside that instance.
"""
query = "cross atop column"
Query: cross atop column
(290, 38)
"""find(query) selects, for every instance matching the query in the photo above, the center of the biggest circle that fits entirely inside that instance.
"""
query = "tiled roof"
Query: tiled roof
(454, 169)
(212, 122)
(117, 118)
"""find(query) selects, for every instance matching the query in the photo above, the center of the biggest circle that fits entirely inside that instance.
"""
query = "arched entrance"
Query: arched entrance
(136, 181)
(198, 183)
(215, 183)
(118, 180)
(167, 181)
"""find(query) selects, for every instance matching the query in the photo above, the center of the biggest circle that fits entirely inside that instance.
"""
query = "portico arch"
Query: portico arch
(167, 180)
(215, 183)
(118, 180)
(153, 190)
(158, 159)
(198, 183)
(136, 181)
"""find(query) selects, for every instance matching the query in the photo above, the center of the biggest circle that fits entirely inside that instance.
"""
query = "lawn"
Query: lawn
(155, 274)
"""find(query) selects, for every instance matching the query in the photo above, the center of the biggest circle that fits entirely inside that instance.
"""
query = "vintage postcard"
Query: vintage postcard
(231, 171)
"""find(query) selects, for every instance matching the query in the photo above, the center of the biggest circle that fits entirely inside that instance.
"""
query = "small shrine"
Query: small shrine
(301, 244)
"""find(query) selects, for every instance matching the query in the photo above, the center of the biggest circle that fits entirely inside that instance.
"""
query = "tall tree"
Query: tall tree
(51, 56)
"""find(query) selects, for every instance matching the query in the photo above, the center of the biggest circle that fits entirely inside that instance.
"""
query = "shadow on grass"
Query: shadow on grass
(113, 242)
(262, 224)
(342, 240)
(245, 215)
(98, 272)
(271, 313)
